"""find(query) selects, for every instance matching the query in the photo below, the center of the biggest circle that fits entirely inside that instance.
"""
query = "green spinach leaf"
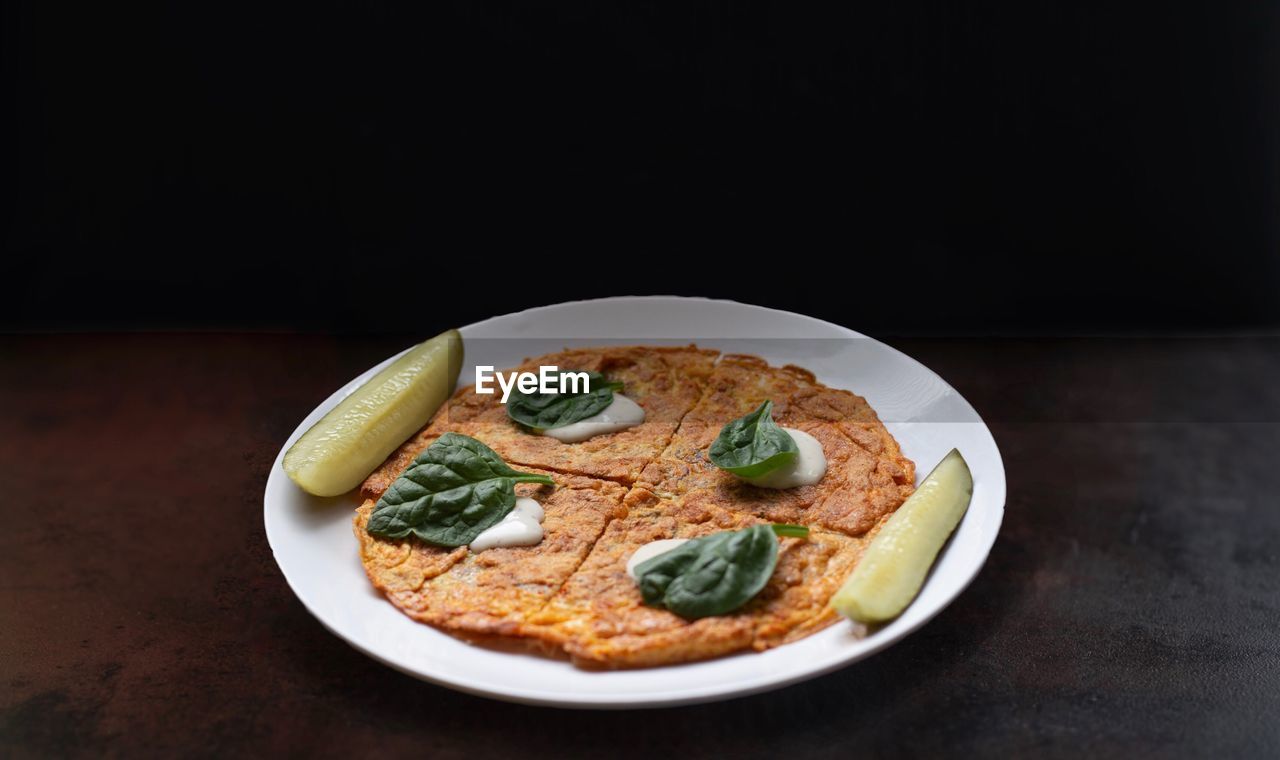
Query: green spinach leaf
(752, 445)
(453, 491)
(714, 574)
(545, 411)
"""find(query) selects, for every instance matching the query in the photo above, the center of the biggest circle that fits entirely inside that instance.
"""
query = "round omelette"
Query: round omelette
(570, 594)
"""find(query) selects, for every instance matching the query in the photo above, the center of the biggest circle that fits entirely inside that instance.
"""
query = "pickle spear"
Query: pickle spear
(894, 567)
(340, 450)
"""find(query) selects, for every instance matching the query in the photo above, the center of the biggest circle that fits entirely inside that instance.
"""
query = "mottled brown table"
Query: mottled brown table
(1129, 608)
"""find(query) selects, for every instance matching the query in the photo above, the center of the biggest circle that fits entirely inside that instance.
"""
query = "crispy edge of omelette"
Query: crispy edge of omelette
(399, 564)
(600, 620)
(492, 592)
(666, 381)
(867, 478)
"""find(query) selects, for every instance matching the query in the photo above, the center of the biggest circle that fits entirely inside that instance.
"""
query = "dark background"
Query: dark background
(220, 212)
(1041, 167)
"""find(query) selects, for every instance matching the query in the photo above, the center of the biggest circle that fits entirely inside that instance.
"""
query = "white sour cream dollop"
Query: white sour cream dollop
(651, 550)
(620, 415)
(805, 470)
(521, 527)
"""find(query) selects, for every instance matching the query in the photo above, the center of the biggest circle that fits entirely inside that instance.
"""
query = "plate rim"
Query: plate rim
(711, 693)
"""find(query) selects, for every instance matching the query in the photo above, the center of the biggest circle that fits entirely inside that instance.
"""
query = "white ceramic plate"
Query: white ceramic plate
(314, 546)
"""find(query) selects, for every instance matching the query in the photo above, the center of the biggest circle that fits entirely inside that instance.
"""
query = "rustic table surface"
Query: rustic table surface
(1129, 607)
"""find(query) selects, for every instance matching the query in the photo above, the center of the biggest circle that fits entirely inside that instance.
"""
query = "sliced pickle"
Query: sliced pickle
(895, 565)
(340, 450)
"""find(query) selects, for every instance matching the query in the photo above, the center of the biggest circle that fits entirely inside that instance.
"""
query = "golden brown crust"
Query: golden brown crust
(867, 475)
(665, 381)
(400, 565)
(570, 593)
(600, 619)
(491, 592)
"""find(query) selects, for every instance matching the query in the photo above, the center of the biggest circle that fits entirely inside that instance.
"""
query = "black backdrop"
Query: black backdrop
(1046, 166)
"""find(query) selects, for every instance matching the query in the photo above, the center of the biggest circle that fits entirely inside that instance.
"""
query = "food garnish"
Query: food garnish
(714, 574)
(360, 432)
(453, 492)
(894, 567)
(547, 411)
(753, 445)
